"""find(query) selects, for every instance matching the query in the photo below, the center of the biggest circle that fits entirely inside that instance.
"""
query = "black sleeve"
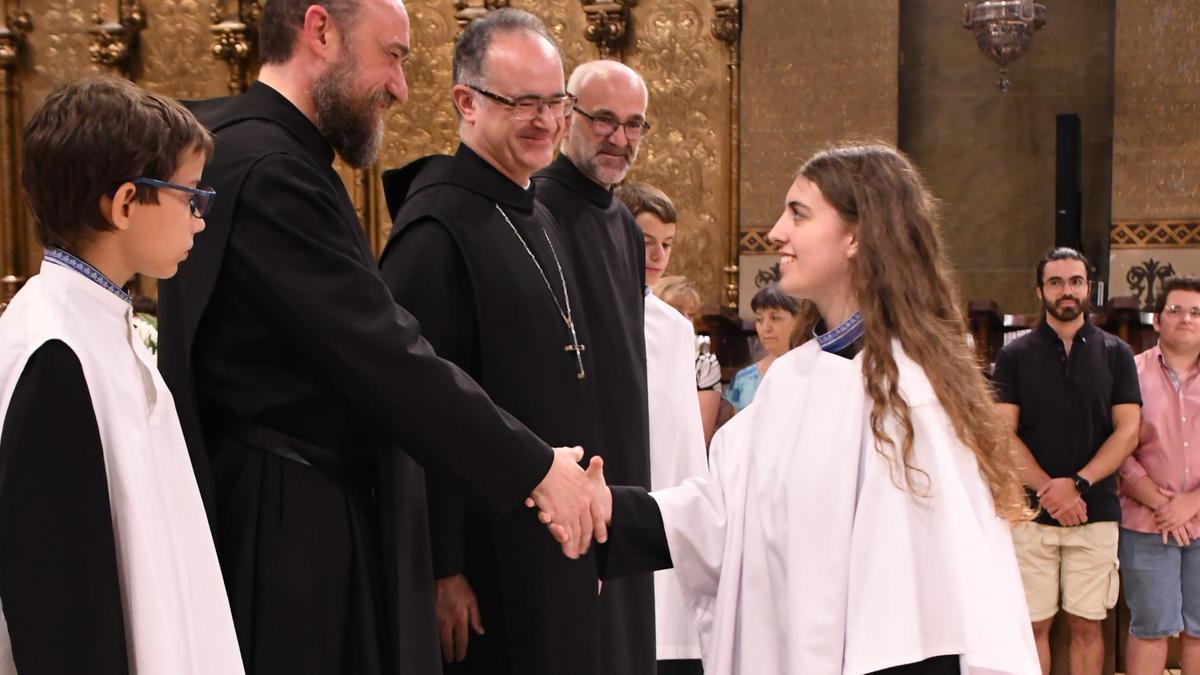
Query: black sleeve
(1004, 379)
(340, 317)
(428, 276)
(58, 571)
(637, 538)
(1126, 386)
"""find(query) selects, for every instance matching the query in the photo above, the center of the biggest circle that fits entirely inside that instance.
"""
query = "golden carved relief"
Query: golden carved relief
(607, 25)
(727, 27)
(686, 155)
(55, 52)
(466, 11)
(115, 33)
(175, 55)
(15, 24)
(568, 24)
(235, 32)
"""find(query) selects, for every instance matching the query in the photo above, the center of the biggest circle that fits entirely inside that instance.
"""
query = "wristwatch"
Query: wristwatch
(1081, 484)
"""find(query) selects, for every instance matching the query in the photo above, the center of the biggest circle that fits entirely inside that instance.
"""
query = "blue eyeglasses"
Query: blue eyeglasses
(199, 199)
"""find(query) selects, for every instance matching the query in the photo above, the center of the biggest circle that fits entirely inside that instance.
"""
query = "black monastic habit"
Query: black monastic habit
(457, 265)
(295, 374)
(606, 247)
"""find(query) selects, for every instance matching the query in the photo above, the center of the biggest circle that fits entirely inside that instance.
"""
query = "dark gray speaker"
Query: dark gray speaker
(1068, 182)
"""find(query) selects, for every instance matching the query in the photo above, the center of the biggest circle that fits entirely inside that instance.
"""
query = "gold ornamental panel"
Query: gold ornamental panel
(686, 155)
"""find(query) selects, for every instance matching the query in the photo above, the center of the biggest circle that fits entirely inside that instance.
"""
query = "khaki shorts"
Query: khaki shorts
(1075, 564)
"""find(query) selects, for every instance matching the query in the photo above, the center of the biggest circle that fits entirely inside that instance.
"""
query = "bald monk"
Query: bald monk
(606, 251)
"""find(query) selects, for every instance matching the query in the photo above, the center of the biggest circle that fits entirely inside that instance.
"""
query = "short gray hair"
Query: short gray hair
(472, 45)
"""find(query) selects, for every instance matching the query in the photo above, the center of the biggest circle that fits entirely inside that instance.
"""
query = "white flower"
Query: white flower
(146, 326)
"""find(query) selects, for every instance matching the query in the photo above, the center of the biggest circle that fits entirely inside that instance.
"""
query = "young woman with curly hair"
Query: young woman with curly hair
(857, 514)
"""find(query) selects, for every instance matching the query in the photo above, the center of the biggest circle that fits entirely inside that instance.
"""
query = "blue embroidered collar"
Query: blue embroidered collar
(64, 259)
(843, 336)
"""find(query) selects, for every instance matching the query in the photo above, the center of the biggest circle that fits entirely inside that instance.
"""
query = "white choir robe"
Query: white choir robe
(800, 555)
(176, 612)
(677, 453)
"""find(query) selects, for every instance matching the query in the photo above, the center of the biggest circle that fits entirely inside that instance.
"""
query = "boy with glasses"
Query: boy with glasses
(107, 563)
(1160, 496)
(1069, 393)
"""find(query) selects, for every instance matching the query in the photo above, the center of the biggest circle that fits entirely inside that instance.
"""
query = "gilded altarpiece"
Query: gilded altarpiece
(669, 41)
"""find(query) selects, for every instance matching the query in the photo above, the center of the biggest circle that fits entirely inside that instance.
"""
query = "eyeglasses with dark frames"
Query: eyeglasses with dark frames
(529, 107)
(607, 126)
(200, 199)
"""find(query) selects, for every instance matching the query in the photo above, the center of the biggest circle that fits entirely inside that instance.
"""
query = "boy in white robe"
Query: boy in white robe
(677, 448)
(107, 563)
(855, 516)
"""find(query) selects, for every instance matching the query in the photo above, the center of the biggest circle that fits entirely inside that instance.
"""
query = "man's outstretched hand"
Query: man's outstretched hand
(564, 500)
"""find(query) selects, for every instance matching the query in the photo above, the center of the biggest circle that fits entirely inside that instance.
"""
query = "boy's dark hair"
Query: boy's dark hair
(645, 198)
(1183, 283)
(771, 297)
(282, 20)
(1062, 253)
(85, 139)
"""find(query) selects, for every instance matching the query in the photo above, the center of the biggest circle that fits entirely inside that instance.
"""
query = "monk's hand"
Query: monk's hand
(602, 504)
(457, 609)
(564, 499)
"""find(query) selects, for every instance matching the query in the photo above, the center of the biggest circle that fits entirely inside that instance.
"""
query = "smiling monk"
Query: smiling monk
(479, 263)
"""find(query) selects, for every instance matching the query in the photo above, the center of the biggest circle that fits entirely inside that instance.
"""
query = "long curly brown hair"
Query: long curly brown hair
(902, 283)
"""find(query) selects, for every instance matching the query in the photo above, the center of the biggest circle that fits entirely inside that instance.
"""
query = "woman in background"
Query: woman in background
(775, 316)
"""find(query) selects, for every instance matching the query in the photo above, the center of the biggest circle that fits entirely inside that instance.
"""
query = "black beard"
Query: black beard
(351, 122)
(1068, 312)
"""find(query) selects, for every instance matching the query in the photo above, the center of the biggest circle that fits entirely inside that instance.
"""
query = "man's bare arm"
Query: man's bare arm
(1032, 473)
(1127, 417)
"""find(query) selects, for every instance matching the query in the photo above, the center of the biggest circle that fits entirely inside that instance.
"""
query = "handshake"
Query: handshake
(573, 504)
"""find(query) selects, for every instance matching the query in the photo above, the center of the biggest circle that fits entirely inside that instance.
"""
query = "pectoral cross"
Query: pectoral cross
(578, 349)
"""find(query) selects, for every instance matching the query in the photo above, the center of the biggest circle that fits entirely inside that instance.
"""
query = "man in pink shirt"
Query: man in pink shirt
(1160, 494)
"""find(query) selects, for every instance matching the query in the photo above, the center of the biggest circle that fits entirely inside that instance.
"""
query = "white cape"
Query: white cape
(677, 453)
(176, 612)
(800, 556)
